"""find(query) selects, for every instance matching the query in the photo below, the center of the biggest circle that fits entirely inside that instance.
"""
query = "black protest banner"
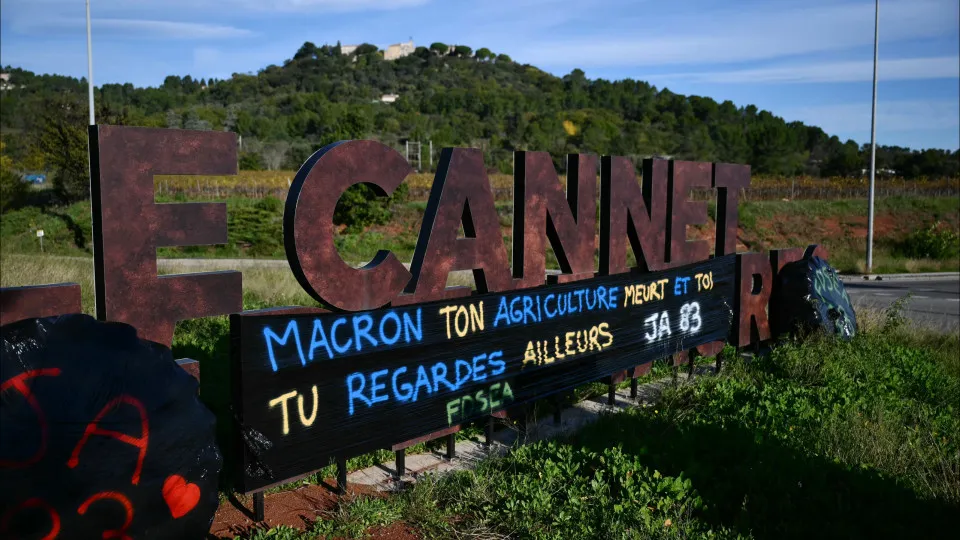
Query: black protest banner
(312, 387)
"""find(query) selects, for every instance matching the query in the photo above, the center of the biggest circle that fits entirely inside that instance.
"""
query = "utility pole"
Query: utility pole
(873, 138)
(93, 120)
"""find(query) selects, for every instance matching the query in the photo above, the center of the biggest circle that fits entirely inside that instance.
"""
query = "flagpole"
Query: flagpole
(93, 120)
(873, 139)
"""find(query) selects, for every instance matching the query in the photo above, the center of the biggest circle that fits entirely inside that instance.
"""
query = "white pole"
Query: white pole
(873, 139)
(93, 120)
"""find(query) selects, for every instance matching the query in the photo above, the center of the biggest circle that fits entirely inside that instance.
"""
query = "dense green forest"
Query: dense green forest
(450, 96)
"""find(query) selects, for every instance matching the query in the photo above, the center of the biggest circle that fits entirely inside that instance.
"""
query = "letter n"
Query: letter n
(542, 211)
(94, 429)
(628, 212)
(128, 227)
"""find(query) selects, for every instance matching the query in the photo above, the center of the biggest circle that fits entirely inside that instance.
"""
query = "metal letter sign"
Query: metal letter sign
(405, 356)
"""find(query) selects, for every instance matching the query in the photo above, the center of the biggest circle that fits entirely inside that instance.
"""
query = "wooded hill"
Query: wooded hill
(452, 98)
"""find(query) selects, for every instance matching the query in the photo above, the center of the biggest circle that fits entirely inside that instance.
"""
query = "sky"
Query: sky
(806, 60)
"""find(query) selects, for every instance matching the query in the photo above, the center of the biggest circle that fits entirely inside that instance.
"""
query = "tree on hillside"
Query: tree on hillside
(307, 50)
(504, 59)
(13, 190)
(62, 137)
(366, 48)
(484, 54)
(462, 51)
(439, 48)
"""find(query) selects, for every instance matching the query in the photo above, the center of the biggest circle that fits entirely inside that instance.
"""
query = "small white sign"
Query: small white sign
(39, 233)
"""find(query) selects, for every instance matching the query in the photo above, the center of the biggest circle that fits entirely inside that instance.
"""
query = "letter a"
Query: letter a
(139, 442)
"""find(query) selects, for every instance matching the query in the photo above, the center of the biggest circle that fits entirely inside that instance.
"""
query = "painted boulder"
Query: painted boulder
(102, 435)
(809, 297)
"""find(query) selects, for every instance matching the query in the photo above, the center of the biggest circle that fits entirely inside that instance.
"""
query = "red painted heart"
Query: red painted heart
(180, 495)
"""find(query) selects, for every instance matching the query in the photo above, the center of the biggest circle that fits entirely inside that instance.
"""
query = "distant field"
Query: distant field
(255, 231)
(258, 184)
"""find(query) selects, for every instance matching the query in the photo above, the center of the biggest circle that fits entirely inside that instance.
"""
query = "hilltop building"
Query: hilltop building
(399, 50)
(393, 52)
(5, 81)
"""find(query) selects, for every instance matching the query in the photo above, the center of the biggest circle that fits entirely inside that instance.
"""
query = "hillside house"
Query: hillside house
(399, 50)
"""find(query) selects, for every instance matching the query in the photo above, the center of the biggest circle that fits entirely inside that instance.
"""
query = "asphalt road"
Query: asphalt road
(933, 303)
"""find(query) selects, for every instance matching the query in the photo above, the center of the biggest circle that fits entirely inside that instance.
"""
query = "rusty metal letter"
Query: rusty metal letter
(729, 179)
(542, 211)
(460, 194)
(625, 211)
(754, 283)
(308, 232)
(128, 227)
(684, 176)
(19, 303)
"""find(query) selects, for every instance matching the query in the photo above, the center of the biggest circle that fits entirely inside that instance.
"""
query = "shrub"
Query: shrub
(937, 241)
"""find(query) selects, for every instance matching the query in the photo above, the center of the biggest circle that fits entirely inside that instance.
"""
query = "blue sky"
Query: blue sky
(808, 60)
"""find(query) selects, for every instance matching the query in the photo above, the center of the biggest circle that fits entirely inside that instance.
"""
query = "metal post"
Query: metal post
(93, 120)
(258, 506)
(431, 154)
(341, 476)
(401, 463)
(873, 138)
(451, 446)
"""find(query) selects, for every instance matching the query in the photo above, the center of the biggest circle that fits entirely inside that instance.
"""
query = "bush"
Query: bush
(937, 241)
(13, 190)
(360, 206)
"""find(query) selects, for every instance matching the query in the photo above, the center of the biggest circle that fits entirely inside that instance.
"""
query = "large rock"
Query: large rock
(101, 435)
(809, 297)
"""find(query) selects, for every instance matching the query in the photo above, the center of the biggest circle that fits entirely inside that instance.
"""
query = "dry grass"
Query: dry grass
(274, 284)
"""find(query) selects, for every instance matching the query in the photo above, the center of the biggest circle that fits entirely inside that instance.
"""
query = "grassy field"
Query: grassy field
(255, 230)
(822, 439)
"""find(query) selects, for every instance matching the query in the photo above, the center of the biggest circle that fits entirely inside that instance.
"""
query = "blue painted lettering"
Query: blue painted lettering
(498, 366)
(612, 297)
(374, 387)
(461, 377)
(479, 369)
(333, 336)
(546, 310)
(502, 312)
(439, 371)
(407, 387)
(515, 314)
(410, 328)
(422, 380)
(390, 316)
(528, 310)
(269, 337)
(361, 329)
(356, 393)
(319, 339)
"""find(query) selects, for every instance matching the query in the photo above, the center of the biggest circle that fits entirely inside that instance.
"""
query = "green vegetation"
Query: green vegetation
(255, 230)
(449, 96)
(823, 438)
(937, 241)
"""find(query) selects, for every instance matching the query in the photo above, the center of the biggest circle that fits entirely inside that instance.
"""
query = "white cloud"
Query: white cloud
(736, 35)
(892, 116)
(327, 5)
(901, 69)
(141, 28)
(171, 29)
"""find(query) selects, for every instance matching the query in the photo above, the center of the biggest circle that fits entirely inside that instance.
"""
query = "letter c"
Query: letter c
(308, 225)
